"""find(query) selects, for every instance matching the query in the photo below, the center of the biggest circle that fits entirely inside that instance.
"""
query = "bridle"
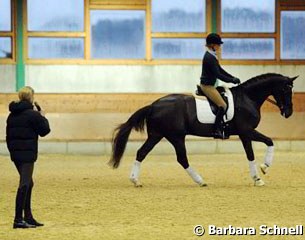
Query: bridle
(275, 103)
(272, 101)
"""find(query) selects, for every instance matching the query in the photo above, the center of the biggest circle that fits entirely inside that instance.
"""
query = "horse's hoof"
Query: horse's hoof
(135, 182)
(137, 185)
(203, 185)
(259, 183)
(264, 168)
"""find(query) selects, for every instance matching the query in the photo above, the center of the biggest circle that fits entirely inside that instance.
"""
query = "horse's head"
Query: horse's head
(282, 94)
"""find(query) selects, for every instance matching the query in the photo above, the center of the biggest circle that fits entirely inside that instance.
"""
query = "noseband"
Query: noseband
(272, 101)
(276, 104)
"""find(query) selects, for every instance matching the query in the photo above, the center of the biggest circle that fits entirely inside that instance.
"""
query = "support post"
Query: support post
(214, 16)
(20, 78)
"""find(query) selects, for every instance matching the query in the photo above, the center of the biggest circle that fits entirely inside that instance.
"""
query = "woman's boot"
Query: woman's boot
(219, 124)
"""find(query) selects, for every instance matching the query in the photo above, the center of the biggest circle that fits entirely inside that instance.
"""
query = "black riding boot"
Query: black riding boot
(20, 203)
(219, 124)
(27, 207)
(28, 216)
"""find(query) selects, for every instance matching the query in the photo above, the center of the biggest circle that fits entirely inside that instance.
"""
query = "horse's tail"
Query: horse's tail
(121, 134)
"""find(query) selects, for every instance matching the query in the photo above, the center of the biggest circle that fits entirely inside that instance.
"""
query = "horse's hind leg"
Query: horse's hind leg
(179, 145)
(149, 144)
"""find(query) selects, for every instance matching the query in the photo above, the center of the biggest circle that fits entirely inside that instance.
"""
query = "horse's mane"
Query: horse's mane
(252, 82)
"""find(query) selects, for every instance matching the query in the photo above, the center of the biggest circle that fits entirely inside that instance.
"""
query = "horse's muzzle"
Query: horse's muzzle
(287, 111)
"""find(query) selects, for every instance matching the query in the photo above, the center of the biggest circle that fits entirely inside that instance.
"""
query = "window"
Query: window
(177, 16)
(6, 31)
(243, 20)
(59, 15)
(178, 29)
(117, 34)
(248, 48)
(5, 47)
(177, 48)
(248, 16)
(156, 31)
(292, 34)
(5, 15)
(56, 48)
(55, 31)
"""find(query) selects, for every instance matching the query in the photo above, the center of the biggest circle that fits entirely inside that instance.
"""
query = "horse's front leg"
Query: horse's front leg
(247, 143)
(257, 136)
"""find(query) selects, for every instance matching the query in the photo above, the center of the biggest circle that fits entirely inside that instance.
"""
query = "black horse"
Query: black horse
(174, 116)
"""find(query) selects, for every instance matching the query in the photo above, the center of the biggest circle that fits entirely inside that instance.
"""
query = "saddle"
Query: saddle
(213, 106)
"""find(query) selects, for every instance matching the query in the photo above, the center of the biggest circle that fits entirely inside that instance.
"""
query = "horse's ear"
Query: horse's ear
(294, 78)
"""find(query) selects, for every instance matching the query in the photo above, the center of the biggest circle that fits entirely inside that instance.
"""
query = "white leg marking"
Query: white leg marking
(253, 168)
(135, 172)
(269, 155)
(254, 174)
(196, 177)
(268, 160)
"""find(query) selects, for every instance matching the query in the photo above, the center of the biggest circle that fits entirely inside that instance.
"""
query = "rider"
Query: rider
(211, 71)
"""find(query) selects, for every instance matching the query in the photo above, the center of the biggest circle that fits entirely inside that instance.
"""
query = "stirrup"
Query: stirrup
(220, 134)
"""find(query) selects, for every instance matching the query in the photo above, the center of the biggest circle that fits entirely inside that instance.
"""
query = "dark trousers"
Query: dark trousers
(24, 192)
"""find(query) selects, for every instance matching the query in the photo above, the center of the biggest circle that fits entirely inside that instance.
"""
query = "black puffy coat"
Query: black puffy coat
(24, 125)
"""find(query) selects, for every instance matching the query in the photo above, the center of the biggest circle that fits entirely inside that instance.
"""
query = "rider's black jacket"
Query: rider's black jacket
(211, 70)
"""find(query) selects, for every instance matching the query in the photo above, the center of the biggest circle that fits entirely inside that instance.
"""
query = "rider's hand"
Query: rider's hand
(236, 80)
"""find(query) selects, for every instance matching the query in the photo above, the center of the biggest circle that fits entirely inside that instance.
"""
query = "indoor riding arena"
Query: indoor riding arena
(94, 63)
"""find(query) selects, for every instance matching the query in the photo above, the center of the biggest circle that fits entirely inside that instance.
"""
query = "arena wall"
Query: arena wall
(130, 78)
(7, 78)
(83, 123)
(86, 102)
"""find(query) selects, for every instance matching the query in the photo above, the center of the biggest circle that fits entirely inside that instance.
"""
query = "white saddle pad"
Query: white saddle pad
(205, 114)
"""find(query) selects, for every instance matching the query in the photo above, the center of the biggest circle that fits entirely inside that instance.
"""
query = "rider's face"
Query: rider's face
(216, 48)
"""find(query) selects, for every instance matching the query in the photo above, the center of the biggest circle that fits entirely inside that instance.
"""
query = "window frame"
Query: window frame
(120, 6)
(280, 5)
(55, 34)
(213, 15)
(247, 59)
(246, 35)
(184, 35)
(288, 7)
(115, 5)
(11, 34)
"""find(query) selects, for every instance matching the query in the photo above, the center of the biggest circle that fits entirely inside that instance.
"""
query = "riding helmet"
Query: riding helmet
(213, 38)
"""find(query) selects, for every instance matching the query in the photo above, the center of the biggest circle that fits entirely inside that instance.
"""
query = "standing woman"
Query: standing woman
(211, 71)
(24, 124)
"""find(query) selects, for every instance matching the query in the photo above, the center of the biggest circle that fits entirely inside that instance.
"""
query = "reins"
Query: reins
(271, 101)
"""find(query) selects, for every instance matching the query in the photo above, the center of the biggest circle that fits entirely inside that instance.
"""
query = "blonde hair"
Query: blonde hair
(26, 94)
